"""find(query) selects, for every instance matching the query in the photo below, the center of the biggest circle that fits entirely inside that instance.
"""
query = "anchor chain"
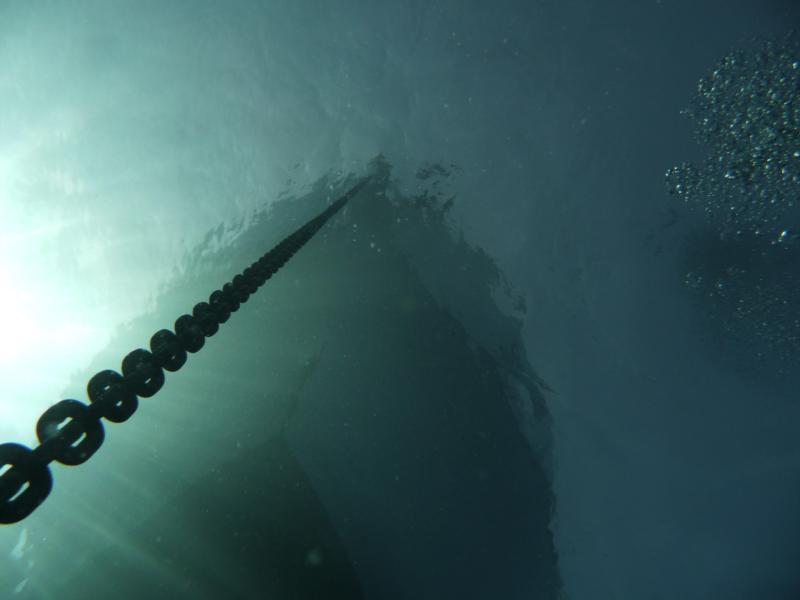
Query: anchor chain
(70, 432)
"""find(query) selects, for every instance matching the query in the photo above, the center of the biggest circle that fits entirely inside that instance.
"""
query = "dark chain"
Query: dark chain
(70, 432)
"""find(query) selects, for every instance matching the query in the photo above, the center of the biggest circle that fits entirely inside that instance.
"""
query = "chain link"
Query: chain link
(70, 432)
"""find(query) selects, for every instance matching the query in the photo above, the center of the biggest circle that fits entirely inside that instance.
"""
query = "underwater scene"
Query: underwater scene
(400, 300)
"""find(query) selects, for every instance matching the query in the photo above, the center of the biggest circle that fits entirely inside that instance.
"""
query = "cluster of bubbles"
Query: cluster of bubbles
(752, 296)
(747, 115)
